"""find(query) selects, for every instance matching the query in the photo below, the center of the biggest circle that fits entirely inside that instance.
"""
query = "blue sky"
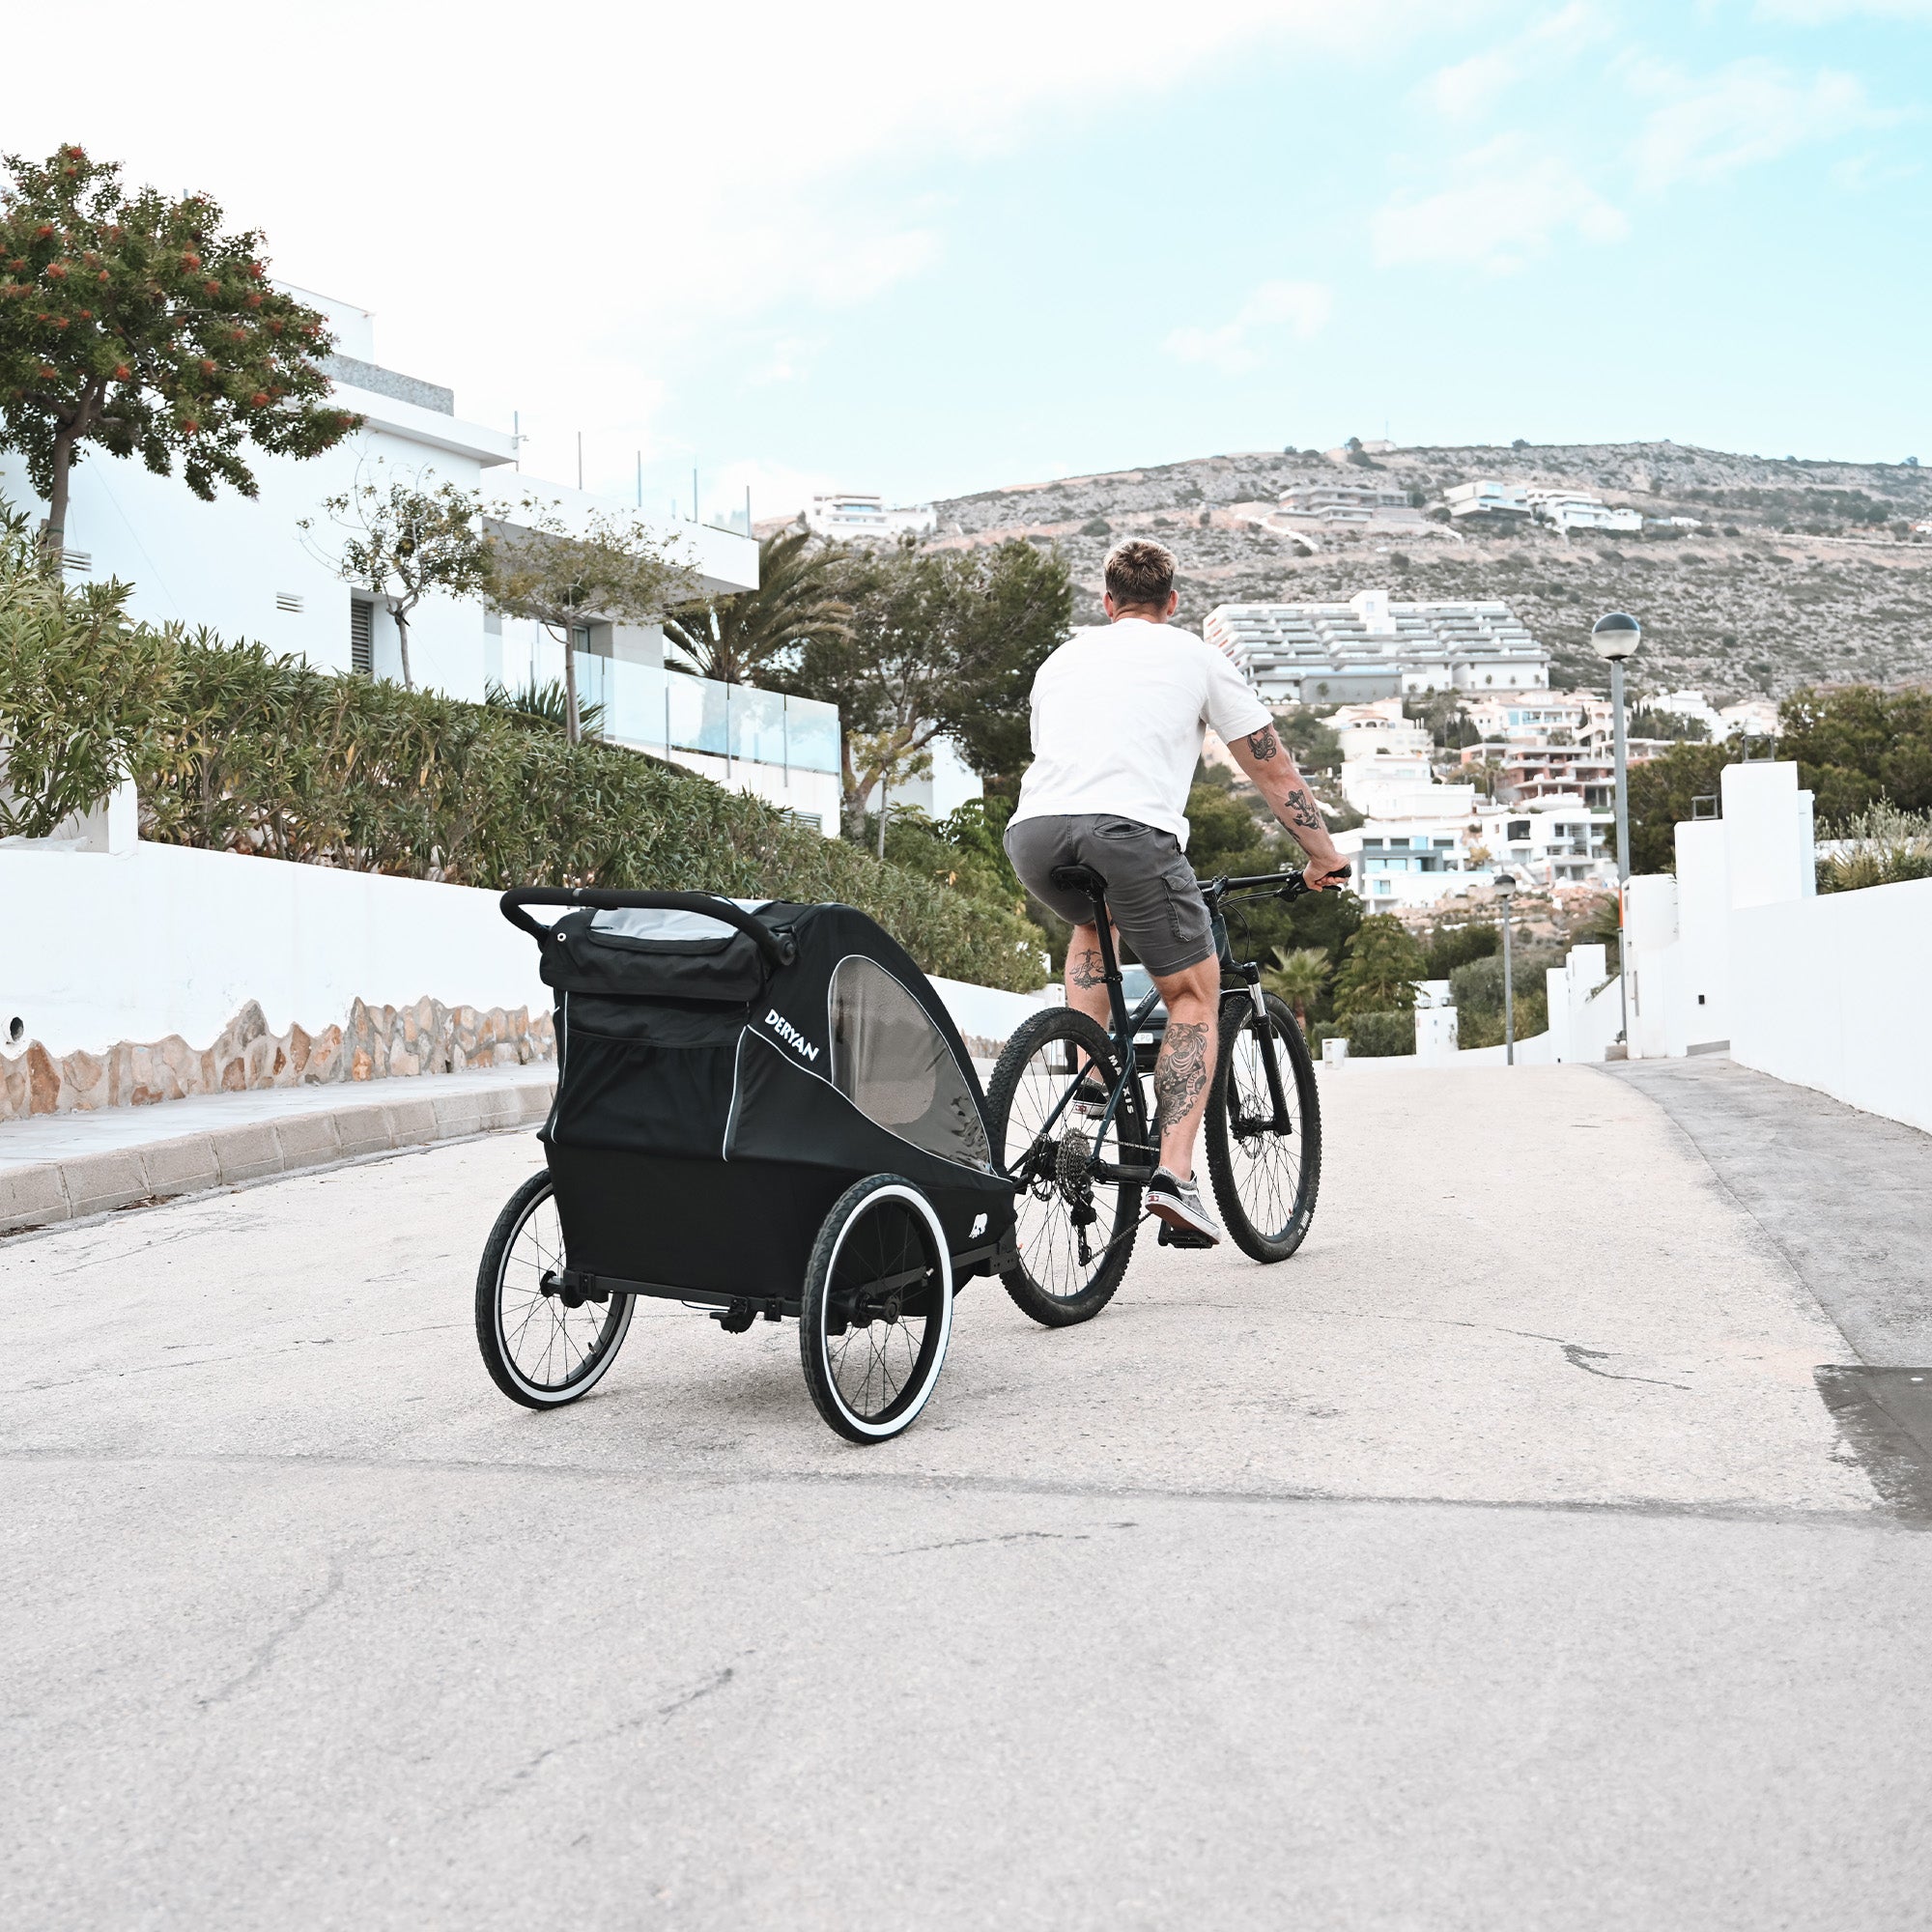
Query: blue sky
(928, 254)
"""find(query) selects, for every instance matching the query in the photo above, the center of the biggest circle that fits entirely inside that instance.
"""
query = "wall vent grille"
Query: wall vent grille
(361, 627)
(289, 601)
(78, 562)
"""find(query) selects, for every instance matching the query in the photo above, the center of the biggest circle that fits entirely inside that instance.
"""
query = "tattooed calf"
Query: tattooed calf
(1181, 1074)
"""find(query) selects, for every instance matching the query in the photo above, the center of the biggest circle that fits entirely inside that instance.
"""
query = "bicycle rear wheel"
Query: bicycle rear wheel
(1076, 1232)
(1266, 1176)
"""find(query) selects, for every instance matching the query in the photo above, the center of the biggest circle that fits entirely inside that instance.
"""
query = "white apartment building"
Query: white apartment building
(245, 568)
(1343, 506)
(1374, 647)
(1420, 857)
(851, 517)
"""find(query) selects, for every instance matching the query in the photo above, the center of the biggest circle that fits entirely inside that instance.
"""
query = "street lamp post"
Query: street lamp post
(1506, 890)
(1615, 637)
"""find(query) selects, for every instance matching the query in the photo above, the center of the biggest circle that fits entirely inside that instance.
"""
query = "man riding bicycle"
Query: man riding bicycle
(1119, 713)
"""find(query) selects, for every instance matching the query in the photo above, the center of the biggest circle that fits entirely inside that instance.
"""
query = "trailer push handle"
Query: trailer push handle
(779, 949)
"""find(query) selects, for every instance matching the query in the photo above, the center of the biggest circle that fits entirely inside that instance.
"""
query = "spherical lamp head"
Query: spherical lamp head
(1505, 884)
(1616, 636)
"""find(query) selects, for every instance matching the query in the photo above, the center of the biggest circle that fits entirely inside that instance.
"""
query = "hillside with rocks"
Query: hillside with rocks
(1802, 571)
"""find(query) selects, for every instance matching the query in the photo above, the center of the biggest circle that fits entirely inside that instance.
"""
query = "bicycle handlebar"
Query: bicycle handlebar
(779, 949)
(1289, 885)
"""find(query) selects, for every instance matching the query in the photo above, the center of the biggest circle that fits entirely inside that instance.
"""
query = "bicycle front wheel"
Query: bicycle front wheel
(1266, 1171)
(1076, 1226)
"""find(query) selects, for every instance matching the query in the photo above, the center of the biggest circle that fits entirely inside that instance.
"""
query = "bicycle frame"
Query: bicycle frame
(1286, 885)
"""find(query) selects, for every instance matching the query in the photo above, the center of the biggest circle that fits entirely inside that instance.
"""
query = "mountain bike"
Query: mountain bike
(1070, 1123)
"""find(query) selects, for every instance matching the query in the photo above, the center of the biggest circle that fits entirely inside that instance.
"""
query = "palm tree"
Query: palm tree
(1298, 977)
(546, 706)
(734, 638)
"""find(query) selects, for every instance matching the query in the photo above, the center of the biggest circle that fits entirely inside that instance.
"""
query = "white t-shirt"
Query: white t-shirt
(1117, 712)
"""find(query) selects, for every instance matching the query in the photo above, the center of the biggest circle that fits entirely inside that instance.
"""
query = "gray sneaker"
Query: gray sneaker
(1178, 1202)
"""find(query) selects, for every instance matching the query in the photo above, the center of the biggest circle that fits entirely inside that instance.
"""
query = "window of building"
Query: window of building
(361, 632)
(1445, 844)
(1399, 844)
(1372, 844)
(1518, 828)
(894, 1064)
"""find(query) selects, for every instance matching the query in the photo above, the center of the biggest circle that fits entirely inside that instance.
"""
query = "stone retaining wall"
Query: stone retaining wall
(378, 1042)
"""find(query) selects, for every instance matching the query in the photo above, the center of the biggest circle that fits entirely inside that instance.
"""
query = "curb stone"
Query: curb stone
(51, 1191)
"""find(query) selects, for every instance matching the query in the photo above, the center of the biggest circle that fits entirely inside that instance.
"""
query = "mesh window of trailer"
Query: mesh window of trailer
(894, 1064)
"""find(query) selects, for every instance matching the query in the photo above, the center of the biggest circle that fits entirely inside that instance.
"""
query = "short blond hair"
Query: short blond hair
(1139, 571)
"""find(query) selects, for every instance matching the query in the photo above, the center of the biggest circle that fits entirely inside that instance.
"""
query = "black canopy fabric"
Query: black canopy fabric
(691, 1072)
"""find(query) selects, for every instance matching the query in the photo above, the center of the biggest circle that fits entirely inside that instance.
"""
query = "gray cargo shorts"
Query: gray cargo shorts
(1152, 890)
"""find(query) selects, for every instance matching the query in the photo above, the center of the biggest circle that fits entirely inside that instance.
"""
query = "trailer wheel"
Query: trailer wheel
(877, 1309)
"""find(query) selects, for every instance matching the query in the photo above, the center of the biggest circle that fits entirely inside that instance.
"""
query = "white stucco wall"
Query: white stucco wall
(99, 947)
(1835, 992)
(167, 939)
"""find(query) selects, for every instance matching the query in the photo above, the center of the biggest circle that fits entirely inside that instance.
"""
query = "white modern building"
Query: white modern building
(1567, 510)
(1488, 499)
(245, 568)
(851, 517)
(1374, 647)
(1419, 856)
(1345, 505)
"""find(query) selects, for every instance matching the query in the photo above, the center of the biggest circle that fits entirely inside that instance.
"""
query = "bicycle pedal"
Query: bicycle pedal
(1172, 1236)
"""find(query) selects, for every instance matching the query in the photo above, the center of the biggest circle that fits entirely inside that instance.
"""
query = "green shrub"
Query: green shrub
(1381, 1036)
(1881, 846)
(239, 749)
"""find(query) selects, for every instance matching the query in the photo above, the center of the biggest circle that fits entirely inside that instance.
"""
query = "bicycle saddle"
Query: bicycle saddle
(1079, 879)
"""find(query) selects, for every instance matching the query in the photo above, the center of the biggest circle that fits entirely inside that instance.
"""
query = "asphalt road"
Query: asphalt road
(1494, 1563)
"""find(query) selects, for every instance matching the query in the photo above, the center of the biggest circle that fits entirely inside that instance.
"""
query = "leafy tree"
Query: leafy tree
(1646, 723)
(403, 538)
(1661, 791)
(1858, 745)
(134, 324)
(1380, 972)
(736, 638)
(1453, 945)
(79, 687)
(938, 642)
(1310, 739)
(611, 570)
(1300, 978)
(1017, 608)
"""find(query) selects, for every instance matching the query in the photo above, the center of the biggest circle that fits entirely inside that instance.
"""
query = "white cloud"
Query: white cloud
(1506, 206)
(1298, 309)
(524, 200)
(1749, 112)
(1471, 87)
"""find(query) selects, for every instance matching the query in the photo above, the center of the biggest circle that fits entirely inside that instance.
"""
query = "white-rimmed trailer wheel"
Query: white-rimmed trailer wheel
(877, 1309)
(542, 1346)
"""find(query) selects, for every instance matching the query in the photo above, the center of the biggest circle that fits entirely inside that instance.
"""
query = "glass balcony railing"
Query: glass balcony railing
(665, 711)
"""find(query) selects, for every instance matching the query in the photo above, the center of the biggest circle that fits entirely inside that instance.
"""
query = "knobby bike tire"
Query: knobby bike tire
(1230, 1166)
(1046, 1233)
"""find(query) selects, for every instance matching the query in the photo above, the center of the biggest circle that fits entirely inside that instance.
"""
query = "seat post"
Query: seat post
(1117, 998)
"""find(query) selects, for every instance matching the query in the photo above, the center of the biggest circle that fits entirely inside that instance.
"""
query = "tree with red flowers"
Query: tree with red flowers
(134, 322)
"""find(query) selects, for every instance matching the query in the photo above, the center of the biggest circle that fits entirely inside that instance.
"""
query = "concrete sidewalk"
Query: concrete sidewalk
(69, 1166)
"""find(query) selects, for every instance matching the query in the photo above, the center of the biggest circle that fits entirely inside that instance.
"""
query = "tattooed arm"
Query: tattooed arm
(1265, 760)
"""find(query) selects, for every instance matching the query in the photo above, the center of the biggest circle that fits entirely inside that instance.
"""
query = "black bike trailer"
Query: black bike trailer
(762, 1109)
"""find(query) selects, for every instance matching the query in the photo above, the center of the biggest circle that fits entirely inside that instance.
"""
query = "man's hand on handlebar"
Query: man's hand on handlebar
(1325, 878)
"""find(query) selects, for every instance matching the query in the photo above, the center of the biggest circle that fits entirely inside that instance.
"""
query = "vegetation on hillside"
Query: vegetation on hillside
(1799, 572)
